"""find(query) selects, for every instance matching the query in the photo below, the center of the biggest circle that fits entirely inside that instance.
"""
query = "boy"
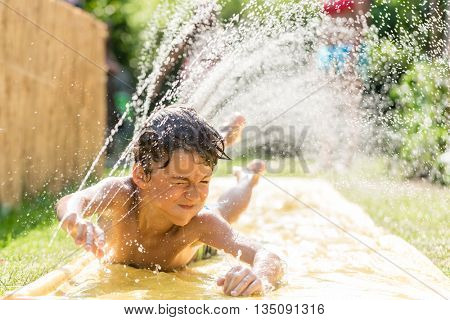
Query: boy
(157, 216)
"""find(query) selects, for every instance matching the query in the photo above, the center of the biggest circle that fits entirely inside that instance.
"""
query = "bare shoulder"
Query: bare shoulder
(198, 226)
(124, 184)
(107, 193)
(205, 224)
(118, 189)
(208, 220)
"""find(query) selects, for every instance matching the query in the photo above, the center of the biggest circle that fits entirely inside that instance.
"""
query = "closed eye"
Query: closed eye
(179, 182)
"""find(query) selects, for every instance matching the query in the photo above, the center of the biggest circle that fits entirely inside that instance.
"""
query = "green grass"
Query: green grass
(25, 234)
(30, 256)
(32, 212)
(417, 211)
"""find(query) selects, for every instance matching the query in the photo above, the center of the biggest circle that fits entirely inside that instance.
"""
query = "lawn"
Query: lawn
(25, 250)
(416, 211)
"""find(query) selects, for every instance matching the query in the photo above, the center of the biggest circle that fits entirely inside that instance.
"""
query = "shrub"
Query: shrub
(421, 121)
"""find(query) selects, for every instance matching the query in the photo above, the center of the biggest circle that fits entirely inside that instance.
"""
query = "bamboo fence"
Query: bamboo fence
(52, 95)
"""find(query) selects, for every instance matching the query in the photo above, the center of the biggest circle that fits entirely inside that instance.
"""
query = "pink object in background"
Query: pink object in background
(334, 7)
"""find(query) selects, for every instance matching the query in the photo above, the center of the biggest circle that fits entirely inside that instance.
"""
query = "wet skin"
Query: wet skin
(161, 220)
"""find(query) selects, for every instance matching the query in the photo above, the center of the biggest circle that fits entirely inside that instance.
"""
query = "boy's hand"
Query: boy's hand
(240, 281)
(85, 233)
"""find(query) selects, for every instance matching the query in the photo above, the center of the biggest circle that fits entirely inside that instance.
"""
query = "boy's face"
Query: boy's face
(180, 189)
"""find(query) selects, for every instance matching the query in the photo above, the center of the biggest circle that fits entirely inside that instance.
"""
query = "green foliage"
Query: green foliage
(388, 61)
(422, 120)
(402, 32)
(410, 85)
(395, 18)
(230, 8)
(126, 20)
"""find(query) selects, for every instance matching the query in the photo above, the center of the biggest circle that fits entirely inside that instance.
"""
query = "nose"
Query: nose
(192, 193)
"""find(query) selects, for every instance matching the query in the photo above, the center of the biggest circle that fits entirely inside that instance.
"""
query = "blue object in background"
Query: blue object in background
(334, 57)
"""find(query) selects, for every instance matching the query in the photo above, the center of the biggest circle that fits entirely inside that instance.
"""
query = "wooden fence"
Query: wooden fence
(52, 95)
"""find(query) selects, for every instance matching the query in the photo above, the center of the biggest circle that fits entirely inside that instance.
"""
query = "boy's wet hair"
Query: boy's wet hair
(177, 127)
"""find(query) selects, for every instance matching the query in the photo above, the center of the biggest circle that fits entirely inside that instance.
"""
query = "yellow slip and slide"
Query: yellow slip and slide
(321, 259)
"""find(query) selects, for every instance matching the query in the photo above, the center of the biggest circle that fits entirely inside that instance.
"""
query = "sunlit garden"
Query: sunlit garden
(337, 113)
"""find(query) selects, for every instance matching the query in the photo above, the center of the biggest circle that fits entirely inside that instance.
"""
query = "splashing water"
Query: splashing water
(263, 59)
(266, 63)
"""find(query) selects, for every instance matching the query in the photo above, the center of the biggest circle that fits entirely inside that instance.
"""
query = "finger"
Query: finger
(241, 286)
(89, 245)
(99, 236)
(220, 281)
(73, 231)
(229, 276)
(72, 227)
(232, 280)
(99, 253)
(81, 233)
(236, 279)
(99, 239)
(254, 287)
(69, 222)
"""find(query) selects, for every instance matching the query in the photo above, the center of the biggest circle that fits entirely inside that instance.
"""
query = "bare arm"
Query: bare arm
(266, 266)
(85, 203)
(72, 209)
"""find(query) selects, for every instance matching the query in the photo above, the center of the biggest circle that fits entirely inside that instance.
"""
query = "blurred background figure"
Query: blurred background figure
(343, 35)
(343, 52)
